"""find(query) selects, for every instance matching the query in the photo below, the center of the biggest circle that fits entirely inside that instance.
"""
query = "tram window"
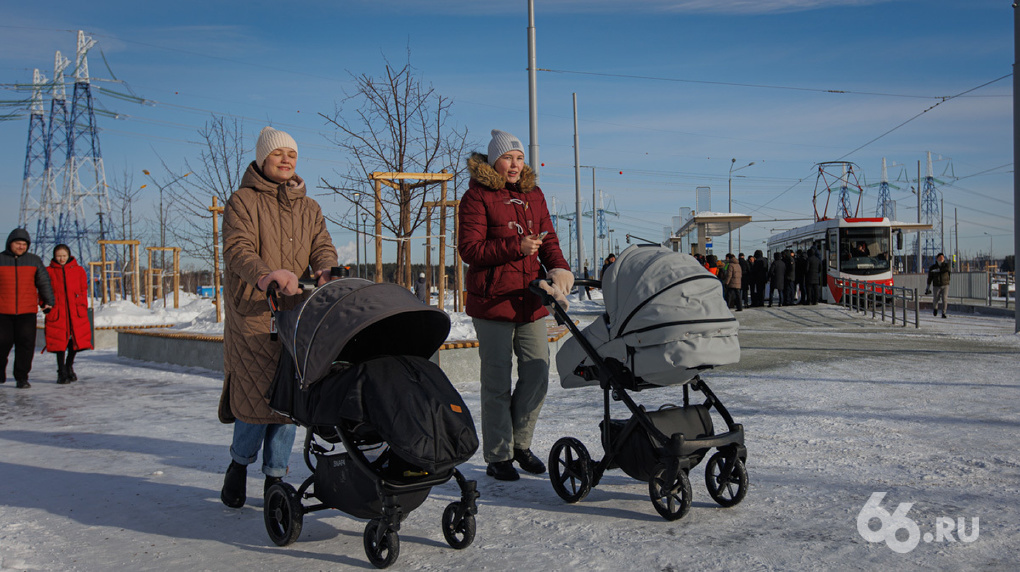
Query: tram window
(864, 251)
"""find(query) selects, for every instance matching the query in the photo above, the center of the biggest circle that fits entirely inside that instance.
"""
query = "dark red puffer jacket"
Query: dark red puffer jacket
(494, 215)
(69, 319)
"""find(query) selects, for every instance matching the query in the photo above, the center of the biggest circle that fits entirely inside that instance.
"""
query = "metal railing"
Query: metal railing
(998, 286)
(863, 296)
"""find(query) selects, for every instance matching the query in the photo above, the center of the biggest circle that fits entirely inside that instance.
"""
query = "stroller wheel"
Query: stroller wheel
(570, 469)
(283, 514)
(670, 497)
(726, 490)
(382, 545)
(459, 533)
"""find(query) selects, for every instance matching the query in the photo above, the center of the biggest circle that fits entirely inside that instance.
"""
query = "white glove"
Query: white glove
(563, 279)
(286, 282)
(557, 294)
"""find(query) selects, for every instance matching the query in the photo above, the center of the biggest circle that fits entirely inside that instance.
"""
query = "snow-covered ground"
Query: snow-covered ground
(122, 470)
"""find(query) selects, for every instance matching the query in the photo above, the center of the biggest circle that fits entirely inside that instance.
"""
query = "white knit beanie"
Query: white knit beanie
(501, 143)
(270, 140)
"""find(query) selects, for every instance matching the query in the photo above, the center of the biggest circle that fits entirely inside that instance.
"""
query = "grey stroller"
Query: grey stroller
(665, 322)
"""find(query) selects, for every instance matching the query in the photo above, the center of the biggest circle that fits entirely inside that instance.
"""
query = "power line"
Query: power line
(925, 111)
(754, 85)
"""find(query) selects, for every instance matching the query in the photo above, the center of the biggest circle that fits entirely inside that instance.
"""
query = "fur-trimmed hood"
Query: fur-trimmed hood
(485, 175)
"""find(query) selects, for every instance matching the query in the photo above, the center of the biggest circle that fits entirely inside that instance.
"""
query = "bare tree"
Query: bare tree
(217, 172)
(124, 193)
(395, 123)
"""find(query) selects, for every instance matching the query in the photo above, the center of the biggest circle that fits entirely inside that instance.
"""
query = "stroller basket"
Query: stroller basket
(639, 453)
(340, 484)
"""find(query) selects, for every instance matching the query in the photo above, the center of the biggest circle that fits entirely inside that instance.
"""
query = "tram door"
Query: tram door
(831, 261)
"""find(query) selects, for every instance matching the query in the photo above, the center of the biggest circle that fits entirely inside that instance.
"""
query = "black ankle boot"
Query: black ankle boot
(235, 485)
(528, 461)
(502, 471)
(62, 377)
(270, 481)
(71, 376)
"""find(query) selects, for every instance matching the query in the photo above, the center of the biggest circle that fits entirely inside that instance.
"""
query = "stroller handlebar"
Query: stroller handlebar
(304, 285)
(536, 287)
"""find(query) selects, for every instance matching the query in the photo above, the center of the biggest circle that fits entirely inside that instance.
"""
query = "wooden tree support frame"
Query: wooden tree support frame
(216, 210)
(152, 272)
(391, 180)
(104, 268)
(457, 264)
(107, 286)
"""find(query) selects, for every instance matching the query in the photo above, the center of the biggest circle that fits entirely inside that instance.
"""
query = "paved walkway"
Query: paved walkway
(771, 336)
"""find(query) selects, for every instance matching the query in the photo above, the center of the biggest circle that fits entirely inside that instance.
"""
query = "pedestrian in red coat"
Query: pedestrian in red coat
(67, 325)
(508, 240)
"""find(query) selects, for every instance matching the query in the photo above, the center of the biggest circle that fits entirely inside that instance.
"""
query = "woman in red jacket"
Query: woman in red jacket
(507, 238)
(67, 324)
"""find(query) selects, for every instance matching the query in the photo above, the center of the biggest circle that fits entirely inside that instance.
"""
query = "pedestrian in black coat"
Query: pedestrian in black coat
(777, 278)
(801, 264)
(790, 284)
(813, 276)
(745, 281)
(421, 290)
(759, 278)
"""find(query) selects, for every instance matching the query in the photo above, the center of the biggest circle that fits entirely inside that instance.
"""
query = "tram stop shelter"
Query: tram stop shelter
(707, 225)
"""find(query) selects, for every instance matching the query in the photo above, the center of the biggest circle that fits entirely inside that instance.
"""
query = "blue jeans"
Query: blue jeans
(276, 441)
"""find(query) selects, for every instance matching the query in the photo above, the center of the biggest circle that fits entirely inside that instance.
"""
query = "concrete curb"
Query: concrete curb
(975, 309)
(458, 359)
(174, 348)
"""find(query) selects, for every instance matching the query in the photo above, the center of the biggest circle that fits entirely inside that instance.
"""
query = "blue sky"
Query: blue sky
(668, 92)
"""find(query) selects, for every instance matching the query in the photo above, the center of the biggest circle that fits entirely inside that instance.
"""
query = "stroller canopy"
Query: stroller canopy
(665, 319)
(354, 320)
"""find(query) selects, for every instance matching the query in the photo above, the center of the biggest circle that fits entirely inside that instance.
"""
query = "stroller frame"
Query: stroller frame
(573, 473)
(284, 509)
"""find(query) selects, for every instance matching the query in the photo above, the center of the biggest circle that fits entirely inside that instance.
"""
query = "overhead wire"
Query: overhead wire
(948, 98)
(749, 85)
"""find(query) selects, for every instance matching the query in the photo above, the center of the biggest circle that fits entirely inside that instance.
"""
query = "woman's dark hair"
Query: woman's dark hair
(61, 247)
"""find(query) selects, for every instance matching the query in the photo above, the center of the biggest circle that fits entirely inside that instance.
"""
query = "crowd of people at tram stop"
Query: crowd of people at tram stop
(60, 290)
(791, 278)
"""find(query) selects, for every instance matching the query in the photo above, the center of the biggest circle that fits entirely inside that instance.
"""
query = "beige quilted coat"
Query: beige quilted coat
(266, 226)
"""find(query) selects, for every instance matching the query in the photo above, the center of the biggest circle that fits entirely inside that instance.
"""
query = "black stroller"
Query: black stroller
(384, 424)
(665, 322)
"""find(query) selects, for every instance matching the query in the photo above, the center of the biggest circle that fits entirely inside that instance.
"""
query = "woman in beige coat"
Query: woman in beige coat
(272, 232)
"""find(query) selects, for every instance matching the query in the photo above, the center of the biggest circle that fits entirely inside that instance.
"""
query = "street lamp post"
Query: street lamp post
(364, 237)
(357, 235)
(729, 201)
(990, 247)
